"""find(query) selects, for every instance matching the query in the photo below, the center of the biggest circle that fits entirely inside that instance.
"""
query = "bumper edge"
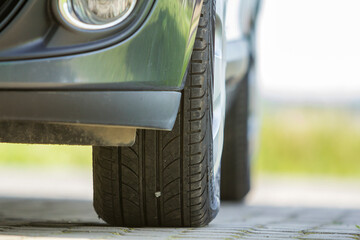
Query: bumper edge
(84, 117)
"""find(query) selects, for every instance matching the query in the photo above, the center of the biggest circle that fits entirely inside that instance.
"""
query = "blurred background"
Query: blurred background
(309, 80)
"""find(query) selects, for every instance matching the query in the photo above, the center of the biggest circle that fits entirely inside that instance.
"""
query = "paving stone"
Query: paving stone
(29, 219)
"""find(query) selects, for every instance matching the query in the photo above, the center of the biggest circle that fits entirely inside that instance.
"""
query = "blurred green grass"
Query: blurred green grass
(293, 140)
(22, 155)
(309, 141)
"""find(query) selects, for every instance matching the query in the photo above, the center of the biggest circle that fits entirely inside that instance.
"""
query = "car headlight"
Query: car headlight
(95, 14)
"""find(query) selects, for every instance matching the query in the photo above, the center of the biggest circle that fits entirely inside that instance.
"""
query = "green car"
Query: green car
(147, 83)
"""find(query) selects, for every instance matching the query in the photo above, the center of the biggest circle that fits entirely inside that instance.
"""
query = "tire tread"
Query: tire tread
(175, 163)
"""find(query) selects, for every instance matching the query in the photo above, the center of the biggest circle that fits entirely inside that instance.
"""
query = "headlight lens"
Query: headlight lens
(95, 14)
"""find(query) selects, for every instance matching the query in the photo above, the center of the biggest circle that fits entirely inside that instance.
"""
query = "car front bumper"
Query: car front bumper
(76, 98)
(155, 56)
(84, 117)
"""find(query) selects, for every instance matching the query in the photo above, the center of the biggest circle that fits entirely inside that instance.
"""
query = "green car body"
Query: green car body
(146, 58)
(129, 77)
(63, 85)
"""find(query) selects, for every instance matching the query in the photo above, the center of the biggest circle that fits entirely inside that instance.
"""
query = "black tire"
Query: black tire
(238, 151)
(166, 178)
(235, 169)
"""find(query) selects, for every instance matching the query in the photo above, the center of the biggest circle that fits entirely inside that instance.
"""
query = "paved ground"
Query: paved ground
(65, 211)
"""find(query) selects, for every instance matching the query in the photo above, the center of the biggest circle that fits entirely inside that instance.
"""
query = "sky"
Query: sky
(309, 49)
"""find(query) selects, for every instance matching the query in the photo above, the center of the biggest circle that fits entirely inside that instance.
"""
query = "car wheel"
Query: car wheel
(168, 178)
(239, 141)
